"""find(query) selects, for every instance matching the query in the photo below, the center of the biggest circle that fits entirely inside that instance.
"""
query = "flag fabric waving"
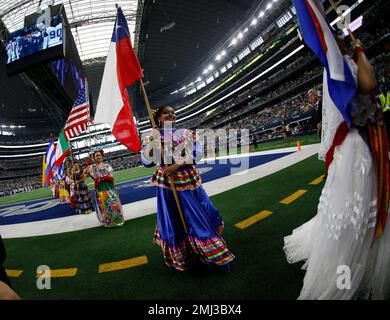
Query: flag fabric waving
(122, 69)
(62, 149)
(319, 37)
(49, 159)
(78, 117)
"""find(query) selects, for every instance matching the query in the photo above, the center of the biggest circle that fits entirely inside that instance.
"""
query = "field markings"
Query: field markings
(293, 197)
(123, 264)
(13, 273)
(253, 219)
(317, 180)
(58, 273)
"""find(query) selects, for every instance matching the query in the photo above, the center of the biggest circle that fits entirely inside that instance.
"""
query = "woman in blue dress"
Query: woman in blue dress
(200, 239)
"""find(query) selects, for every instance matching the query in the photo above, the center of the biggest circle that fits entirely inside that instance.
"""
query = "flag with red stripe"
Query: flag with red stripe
(78, 117)
(122, 70)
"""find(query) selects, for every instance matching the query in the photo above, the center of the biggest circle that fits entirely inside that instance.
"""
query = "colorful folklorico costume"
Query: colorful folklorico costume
(64, 194)
(203, 222)
(350, 229)
(82, 195)
(108, 206)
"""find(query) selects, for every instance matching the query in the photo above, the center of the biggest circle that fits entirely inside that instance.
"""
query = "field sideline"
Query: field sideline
(140, 172)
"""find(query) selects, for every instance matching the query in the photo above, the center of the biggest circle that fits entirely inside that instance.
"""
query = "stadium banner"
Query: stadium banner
(121, 70)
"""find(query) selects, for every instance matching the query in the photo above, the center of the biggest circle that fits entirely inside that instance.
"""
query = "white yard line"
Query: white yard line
(148, 206)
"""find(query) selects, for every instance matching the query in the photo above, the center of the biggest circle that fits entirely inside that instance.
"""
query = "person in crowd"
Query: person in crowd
(315, 110)
(191, 234)
(109, 208)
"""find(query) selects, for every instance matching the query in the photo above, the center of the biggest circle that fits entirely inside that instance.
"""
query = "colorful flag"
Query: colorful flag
(49, 159)
(78, 117)
(122, 69)
(62, 149)
(59, 171)
(319, 37)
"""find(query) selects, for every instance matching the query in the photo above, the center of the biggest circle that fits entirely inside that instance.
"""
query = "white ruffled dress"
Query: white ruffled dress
(341, 236)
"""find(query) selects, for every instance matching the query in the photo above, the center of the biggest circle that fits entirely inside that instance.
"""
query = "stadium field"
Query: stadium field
(123, 263)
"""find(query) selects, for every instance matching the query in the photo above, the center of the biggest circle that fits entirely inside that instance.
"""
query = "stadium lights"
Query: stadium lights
(254, 21)
(218, 57)
(239, 36)
(223, 53)
(204, 71)
(234, 41)
(241, 87)
(246, 30)
(210, 67)
(269, 6)
(199, 79)
(22, 155)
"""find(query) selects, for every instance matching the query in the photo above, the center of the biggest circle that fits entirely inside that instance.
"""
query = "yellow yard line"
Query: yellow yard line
(293, 197)
(253, 219)
(124, 264)
(60, 273)
(318, 180)
(12, 273)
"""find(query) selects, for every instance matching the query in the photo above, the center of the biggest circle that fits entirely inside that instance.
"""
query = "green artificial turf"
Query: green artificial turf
(260, 270)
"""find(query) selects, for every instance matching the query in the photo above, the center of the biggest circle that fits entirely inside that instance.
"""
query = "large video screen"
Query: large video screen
(33, 39)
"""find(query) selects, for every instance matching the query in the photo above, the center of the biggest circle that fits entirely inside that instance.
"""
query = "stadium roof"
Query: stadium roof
(174, 39)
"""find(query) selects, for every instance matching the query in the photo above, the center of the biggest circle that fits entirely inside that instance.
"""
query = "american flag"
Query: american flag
(79, 116)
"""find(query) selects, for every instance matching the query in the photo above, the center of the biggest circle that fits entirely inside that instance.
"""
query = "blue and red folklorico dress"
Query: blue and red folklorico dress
(203, 222)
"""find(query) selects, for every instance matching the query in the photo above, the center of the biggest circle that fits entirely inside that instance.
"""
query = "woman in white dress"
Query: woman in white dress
(343, 258)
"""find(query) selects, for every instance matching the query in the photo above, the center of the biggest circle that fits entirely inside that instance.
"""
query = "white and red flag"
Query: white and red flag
(122, 70)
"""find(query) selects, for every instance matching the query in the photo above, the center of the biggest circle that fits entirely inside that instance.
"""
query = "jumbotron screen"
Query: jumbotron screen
(33, 39)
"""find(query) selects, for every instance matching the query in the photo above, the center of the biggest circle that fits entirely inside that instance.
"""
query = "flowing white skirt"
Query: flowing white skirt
(342, 260)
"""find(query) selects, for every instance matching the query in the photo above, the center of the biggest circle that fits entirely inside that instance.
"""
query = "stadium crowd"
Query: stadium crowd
(274, 101)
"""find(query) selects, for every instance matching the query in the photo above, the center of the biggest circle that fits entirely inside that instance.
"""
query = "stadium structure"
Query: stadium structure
(241, 65)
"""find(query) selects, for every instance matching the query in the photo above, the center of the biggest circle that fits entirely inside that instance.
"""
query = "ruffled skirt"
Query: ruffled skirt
(83, 199)
(342, 258)
(204, 226)
(108, 207)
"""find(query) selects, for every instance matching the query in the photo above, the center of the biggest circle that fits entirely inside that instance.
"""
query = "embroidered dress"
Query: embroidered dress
(341, 236)
(82, 195)
(64, 194)
(203, 222)
(108, 205)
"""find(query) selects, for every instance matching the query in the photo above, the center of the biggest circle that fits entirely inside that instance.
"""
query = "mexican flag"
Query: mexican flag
(62, 149)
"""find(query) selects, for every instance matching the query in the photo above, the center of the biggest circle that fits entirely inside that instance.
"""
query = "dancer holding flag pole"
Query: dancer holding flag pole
(346, 245)
(188, 225)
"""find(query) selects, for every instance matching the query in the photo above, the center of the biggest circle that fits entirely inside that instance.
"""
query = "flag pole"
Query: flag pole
(73, 173)
(150, 112)
(89, 116)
